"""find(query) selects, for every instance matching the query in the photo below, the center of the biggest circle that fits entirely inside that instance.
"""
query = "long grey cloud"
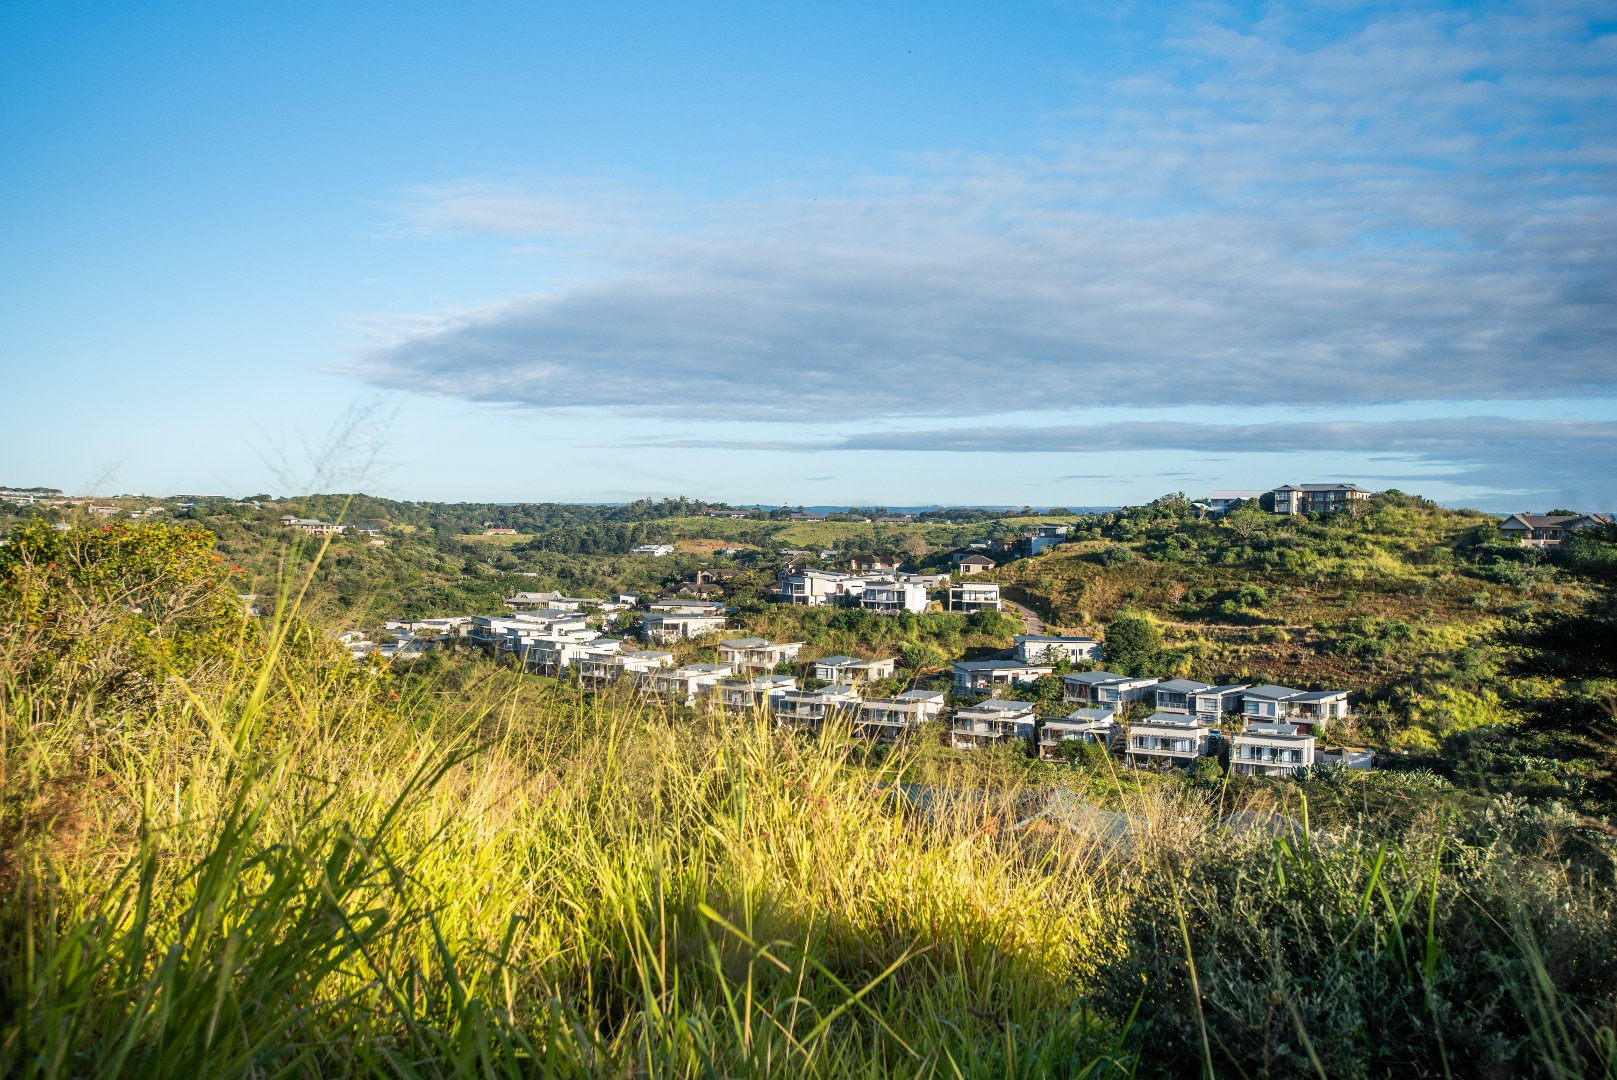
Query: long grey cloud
(1503, 456)
(1420, 208)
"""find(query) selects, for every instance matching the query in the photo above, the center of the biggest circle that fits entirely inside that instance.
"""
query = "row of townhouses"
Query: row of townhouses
(550, 634)
(887, 594)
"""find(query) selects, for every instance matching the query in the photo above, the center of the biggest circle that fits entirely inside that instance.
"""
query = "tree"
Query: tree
(1131, 641)
(1247, 520)
(1080, 752)
(1566, 743)
(118, 609)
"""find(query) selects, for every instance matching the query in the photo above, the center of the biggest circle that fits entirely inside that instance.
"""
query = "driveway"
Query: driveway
(1034, 624)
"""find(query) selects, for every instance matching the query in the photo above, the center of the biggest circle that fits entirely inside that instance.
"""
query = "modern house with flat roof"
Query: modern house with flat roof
(1098, 726)
(818, 588)
(599, 668)
(761, 693)
(893, 597)
(554, 655)
(757, 655)
(986, 676)
(687, 684)
(992, 723)
(888, 719)
(1048, 648)
(659, 628)
(969, 596)
(1168, 739)
(1178, 695)
(1105, 689)
(810, 710)
(846, 670)
(1270, 749)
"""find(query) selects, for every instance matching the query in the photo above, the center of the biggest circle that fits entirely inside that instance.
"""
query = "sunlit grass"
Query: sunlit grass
(301, 871)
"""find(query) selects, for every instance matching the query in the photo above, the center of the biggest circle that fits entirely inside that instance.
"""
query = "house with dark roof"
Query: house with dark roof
(972, 562)
(1547, 530)
(1314, 498)
(1105, 689)
(1283, 703)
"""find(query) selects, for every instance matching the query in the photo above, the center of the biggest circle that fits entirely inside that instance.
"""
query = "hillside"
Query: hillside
(227, 850)
(1402, 603)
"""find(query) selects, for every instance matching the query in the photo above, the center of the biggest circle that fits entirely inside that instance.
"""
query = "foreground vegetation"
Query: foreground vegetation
(228, 851)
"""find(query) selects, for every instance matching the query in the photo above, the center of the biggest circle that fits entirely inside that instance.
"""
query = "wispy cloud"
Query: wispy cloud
(1496, 455)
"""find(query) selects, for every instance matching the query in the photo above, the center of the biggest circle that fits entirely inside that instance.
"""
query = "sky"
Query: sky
(831, 253)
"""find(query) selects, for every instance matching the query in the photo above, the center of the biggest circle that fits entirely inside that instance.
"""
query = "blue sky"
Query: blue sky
(899, 253)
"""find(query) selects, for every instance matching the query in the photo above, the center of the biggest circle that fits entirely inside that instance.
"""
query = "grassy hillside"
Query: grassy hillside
(239, 854)
(1402, 603)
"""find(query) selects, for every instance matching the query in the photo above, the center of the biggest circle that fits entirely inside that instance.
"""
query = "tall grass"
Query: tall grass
(298, 872)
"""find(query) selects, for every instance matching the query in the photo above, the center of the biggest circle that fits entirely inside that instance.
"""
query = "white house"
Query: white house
(761, 693)
(555, 654)
(684, 684)
(1047, 649)
(893, 597)
(888, 719)
(680, 605)
(312, 526)
(659, 628)
(1098, 726)
(1104, 689)
(808, 710)
(986, 676)
(1168, 739)
(598, 668)
(846, 670)
(1312, 707)
(1270, 749)
(656, 551)
(992, 723)
(756, 654)
(1044, 537)
(817, 588)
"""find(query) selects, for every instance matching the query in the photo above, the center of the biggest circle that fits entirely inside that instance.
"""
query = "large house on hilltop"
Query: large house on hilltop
(1315, 498)
(312, 526)
(1547, 530)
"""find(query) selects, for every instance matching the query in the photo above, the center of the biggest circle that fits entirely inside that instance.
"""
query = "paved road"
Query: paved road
(1034, 624)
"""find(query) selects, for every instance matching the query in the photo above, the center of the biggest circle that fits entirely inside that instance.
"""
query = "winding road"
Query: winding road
(1034, 624)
